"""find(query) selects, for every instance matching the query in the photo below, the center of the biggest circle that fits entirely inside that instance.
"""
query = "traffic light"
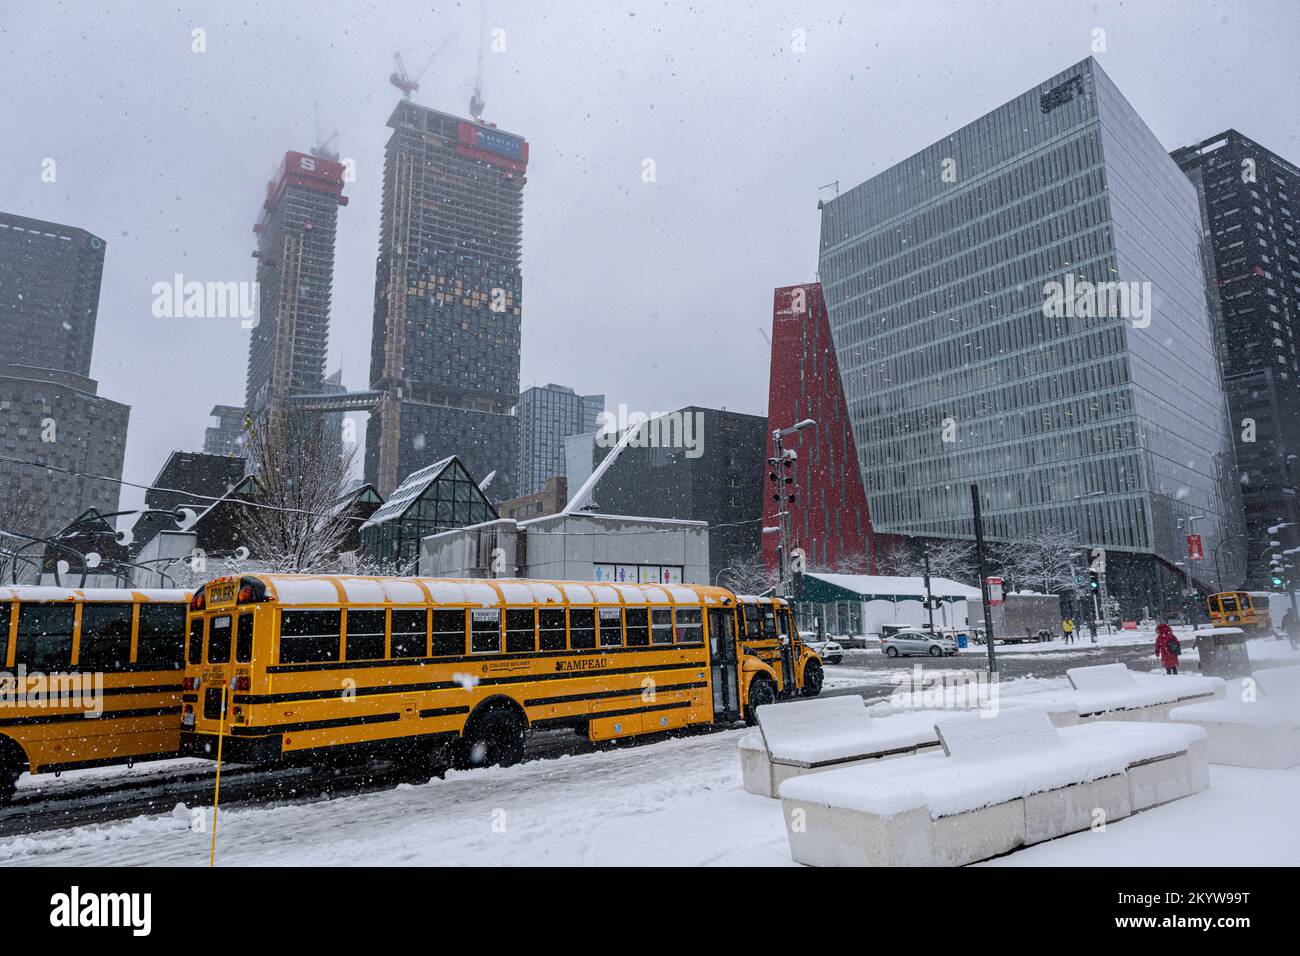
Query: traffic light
(1277, 580)
(1093, 583)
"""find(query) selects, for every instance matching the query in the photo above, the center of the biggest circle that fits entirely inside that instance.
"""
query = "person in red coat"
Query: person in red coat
(1167, 648)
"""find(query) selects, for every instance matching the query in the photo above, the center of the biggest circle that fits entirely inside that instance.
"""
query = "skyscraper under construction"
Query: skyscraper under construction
(445, 347)
(295, 273)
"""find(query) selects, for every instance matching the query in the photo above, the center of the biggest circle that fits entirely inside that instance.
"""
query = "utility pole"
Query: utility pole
(984, 581)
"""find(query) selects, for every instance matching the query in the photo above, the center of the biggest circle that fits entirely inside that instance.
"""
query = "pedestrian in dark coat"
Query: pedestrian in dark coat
(1167, 648)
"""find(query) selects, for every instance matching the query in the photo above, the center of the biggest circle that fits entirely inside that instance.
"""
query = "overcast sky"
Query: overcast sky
(657, 294)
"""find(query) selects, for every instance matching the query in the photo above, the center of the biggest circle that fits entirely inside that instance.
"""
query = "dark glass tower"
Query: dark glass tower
(49, 294)
(1249, 199)
(445, 346)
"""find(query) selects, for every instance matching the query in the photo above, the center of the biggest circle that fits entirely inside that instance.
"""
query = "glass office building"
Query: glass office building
(547, 416)
(1023, 305)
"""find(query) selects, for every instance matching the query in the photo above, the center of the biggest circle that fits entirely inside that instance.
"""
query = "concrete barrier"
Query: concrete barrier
(999, 784)
(812, 736)
(1252, 730)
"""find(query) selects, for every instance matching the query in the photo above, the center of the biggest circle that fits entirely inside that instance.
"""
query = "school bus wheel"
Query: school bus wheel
(493, 737)
(12, 764)
(812, 678)
(761, 691)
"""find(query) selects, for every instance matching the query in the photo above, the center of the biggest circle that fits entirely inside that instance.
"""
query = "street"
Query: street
(868, 673)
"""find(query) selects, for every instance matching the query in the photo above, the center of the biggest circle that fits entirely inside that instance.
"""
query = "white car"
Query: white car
(906, 643)
(829, 651)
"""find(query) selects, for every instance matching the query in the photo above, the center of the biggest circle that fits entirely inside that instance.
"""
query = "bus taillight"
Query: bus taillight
(241, 682)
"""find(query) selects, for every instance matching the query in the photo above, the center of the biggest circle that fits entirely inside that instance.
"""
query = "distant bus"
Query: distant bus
(451, 672)
(1238, 609)
(90, 677)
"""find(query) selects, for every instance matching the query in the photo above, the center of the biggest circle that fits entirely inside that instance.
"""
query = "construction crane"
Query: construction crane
(404, 81)
(476, 103)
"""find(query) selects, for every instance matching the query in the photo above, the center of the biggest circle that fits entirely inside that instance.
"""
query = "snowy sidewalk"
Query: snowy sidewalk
(676, 802)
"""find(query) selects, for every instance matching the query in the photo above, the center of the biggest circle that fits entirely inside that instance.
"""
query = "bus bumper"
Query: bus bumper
(252, 750)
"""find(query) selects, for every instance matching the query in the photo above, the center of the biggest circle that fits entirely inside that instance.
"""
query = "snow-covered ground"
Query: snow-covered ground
(676, 802)
(1245, 818)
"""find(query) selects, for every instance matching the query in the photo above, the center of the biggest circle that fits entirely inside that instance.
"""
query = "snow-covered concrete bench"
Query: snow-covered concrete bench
(1263, 731)
(999, 783)
(1113, 692)
(810, 736)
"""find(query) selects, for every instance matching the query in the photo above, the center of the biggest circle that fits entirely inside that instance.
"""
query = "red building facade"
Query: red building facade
(830, 519)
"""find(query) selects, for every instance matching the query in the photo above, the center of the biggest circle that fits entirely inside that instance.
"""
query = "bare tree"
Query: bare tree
(849, 564)
(953, 559)
(899, 557)
(1042, 561)
(22, 516)
(749, 576)
(295, 523)
(949, 558)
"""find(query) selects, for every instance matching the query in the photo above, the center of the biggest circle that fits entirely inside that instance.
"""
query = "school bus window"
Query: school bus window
(244, 638)
(44, 636)
(162, 635)
(219, 640)
(448, 634)
(410, 639)
(366, 636)
(690, 625)
(550, 627)
(753, 629)
(638, 628)
(611, 627)
(196, 641)
(521, 630)
(582, 627)
(105, 636)
(309, 637)
(769, 622)
(485, 632)
(661, 625)
(1229, 602)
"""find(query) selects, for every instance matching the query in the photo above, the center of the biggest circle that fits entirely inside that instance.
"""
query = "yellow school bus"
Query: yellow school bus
(765, 626)
(1237, 609)
(451, 672)
(90, 677)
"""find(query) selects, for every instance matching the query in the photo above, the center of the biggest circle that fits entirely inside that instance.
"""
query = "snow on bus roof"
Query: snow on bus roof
(483, 592)
(44, 594)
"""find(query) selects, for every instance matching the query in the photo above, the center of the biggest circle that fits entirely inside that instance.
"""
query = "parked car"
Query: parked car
(831, 652)
(906, 643)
